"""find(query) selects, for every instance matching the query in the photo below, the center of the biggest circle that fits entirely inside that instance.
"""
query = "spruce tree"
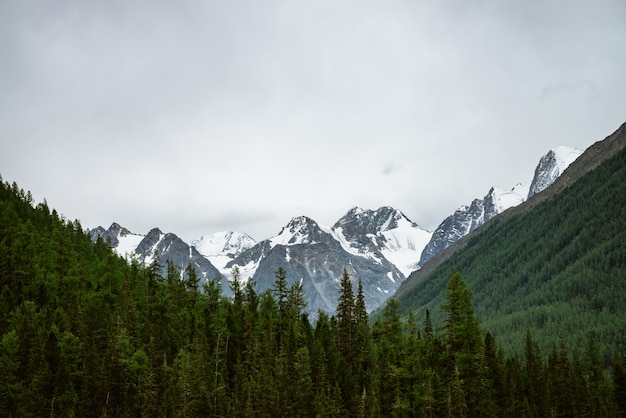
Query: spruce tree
(464, 344)
(345, 318)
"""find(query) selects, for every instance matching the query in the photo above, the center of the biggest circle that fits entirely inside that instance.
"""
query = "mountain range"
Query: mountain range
(380, 247)
(554, 265)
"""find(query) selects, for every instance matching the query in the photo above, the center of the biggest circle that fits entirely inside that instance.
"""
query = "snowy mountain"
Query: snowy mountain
(467, 218)
(316, 256)
(122, 240)
(379, 246)
(167, 246)
(223, 247)
(551, 166)
(385, 232)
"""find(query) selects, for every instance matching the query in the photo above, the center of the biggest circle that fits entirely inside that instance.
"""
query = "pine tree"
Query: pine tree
(345, 318)
(464, 344)
(364, 356)
(389, 340)
(281, 293)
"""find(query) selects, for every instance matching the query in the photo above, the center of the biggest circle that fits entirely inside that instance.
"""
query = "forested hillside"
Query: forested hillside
(85, 334)
(557, 269)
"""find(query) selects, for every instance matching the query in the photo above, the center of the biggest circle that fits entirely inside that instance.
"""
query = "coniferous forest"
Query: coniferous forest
(558, 269)
(85, 333)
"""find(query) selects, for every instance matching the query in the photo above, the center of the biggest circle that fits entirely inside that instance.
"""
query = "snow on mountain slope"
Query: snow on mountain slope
(551, 166)
(504, 199)
(385, 232)
(127, 244)
(222, 247)
(403, 247)
(121, 239)
(315, 256)
(467, 218)
(300, 230)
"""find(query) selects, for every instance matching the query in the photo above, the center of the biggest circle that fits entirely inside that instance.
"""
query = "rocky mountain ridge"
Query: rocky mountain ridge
(368, 243)
(469, 217)
(380, 247)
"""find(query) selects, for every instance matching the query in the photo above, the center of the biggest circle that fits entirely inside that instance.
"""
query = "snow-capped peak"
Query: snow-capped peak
(565, 156)
(121, 239)
(551, 166)
(505, 199)
(300, 230)
(385, 231)
(230, 243)
(222, 247)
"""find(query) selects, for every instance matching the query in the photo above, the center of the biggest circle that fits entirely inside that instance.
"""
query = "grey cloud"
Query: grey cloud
(187, 111)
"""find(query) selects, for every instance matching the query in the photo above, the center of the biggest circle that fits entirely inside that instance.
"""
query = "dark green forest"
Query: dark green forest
(558, 269)
(84, 333)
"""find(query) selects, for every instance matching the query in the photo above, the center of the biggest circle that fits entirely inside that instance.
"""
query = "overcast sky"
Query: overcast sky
(204, 116)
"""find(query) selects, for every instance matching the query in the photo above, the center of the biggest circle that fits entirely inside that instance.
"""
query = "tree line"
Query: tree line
(84, 333)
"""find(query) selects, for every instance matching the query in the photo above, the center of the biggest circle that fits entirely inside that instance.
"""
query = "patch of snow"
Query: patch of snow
(504, 199)
(222, 247)
(150, 257)
(294, 233)
(245, 272)
(127, 244)
(404, 245)
(220, 261)
(222, 243)
(386, 291)
(345, 243)
(565, 156)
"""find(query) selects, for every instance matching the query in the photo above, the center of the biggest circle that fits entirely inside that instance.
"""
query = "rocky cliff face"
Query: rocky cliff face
(382, 233)
(551, 166)
(164, 246)
(467, 218)
(380, 247)
(313, 256)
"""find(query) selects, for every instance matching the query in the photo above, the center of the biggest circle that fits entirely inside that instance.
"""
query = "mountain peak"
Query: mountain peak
(370, 221)
(551, 166)
(230, 243)
(469, 217)
(300, 230)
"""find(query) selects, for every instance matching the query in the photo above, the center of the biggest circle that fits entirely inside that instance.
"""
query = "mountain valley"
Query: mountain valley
(379, 247)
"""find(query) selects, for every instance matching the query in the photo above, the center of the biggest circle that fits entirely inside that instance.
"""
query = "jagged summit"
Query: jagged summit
(381, 247)
(300, 230)
(223, 247)
(371, 221)
(469, 217)
(551, 166)
(385, 232)
(168, 247)
(121, 239)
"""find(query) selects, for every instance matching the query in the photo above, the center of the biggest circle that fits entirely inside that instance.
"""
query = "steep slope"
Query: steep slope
(313, 256)
(380, 246)
(385, 232)
(551, 166)
(121, 239)
(467, 218)
(223, 247)
(555, 265)
(167, 246)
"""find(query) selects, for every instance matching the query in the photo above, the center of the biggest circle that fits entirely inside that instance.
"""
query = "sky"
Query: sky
(204, 116)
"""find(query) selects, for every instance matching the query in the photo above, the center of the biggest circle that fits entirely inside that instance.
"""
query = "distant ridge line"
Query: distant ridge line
(591, 158)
